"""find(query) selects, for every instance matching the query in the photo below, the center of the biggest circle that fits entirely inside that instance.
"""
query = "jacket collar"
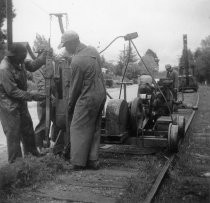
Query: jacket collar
(79, 48)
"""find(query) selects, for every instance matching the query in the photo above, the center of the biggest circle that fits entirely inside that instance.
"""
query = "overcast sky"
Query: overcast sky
(159, 23)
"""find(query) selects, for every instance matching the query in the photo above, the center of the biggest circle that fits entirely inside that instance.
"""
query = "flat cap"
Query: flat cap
(68, 36)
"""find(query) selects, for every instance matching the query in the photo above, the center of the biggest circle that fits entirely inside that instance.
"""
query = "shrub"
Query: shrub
(30, 170)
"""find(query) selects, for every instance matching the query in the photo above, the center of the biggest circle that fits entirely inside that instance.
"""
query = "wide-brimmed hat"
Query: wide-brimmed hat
(68, 36)
(15, 49)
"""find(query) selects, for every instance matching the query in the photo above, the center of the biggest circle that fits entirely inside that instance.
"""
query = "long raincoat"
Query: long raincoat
(14, 115)
(86, 101)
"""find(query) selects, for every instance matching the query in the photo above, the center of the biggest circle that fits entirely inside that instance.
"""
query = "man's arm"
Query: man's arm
(12, 90)
(40, 80)
(35, 64)
(75, 86)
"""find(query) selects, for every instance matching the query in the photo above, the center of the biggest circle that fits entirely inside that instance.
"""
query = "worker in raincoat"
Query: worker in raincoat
(87, 97)
(173, 75)
(14, 115)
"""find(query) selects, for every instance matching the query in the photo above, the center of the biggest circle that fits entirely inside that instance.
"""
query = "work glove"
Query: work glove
(42, 57)
(37, 96)
(53, 100)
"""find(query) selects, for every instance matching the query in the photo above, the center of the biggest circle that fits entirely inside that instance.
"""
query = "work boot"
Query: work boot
(77, 168)
(43, 150)
(37, 153)
(93, 165)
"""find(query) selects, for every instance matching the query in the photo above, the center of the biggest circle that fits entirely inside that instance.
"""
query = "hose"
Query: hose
(110, 44)
(130, 41)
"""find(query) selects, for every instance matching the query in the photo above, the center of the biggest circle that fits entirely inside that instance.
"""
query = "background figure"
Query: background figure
(173, 75)
(87, 97)
(15, 118)
(39, 78)
(145, 84)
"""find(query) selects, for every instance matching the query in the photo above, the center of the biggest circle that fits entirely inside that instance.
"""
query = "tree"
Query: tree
(202, 61)
(3, 32)
(205, 43)
(133, 71)
(151, 60)
(3, 15)
(151, 53)
(40, 43)
(124, 54)
(127, 56)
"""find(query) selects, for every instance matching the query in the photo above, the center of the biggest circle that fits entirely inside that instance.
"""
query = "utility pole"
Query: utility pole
(186, 60)
(9, 23)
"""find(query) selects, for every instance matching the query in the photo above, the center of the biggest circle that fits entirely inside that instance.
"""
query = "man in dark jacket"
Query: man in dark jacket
(14, 115)
(87, 96)
(173, 75)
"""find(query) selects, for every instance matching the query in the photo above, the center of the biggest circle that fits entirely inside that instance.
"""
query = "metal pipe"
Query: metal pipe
(9, 23)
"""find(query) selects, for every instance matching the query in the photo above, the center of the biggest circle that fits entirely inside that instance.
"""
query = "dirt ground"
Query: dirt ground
(189, 178)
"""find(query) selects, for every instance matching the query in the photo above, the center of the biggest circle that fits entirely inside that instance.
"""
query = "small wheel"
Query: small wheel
(136, 115)
(173, 138)
(181, 126)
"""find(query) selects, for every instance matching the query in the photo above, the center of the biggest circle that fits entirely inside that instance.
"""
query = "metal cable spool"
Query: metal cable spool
(173, 138)
(117, 116)
(136, 115)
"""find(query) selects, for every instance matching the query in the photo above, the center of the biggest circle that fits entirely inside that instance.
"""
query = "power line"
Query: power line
(42, 9)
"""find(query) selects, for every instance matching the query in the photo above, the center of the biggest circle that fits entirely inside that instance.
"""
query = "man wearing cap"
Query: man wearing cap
(87, 97)
(14, 115)
(173, 75)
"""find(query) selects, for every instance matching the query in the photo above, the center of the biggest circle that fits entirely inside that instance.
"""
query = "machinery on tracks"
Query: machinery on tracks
(145, 120)
(149, 118)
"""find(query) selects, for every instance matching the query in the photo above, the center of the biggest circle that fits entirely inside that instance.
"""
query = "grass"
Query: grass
(138, 186)
(29, 171)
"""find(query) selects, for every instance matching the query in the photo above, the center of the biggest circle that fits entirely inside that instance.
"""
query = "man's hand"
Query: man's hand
(37, 96)
(53, 100)
(43, 55)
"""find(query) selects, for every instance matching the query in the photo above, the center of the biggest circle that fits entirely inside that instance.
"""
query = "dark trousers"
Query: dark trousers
(40, 128)
(18, 127)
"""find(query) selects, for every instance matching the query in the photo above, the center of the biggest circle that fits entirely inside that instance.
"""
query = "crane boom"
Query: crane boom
(60, 21)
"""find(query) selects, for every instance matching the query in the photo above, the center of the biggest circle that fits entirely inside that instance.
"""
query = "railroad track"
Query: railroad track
(153, 191)
(126, 173)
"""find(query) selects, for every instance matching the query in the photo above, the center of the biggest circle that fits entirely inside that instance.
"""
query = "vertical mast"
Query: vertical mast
(9, 23)
(186, 60)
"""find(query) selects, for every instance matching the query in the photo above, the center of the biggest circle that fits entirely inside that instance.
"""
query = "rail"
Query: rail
(153, 191)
